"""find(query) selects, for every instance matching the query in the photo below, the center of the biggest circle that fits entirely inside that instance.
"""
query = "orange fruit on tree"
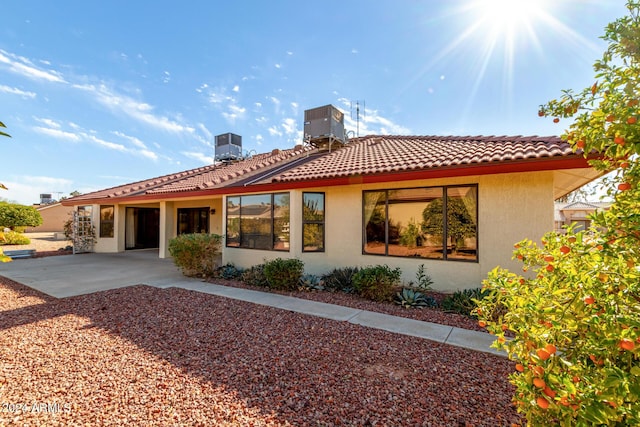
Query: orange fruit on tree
(549, 268)
(519, 367)
(624, 186)
(482, 323)
(550, 348)
(543, 354)
(610, 118)
(549, 392)
(539, 382)
(541, 113)
(626, 344)
(565, 249)
(580, 144)
(572, 239)
(619, 140)
(624, 165)
(556, 120)
(542, 402)
(538, 370)
(549, 258)
(589, 299)
(632, 120)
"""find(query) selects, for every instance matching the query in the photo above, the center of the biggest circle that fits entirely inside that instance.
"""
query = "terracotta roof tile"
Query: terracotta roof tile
(368, 155)
(386, 154)
(205, 177)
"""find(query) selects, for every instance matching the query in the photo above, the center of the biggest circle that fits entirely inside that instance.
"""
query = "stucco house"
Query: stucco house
(455, 204)
(54, 215)
(577, 214)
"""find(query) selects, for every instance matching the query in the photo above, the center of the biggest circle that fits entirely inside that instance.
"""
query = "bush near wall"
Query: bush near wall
(196, 253)
(377, 283)
(13, 238)
(283, 274)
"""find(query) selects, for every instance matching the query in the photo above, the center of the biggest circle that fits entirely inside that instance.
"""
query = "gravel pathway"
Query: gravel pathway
(148, 356)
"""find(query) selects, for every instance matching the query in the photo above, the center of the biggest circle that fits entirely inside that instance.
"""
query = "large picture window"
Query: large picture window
(430, 222)
(313, 222)
(258, 221)
(106, 221)
(193, 220)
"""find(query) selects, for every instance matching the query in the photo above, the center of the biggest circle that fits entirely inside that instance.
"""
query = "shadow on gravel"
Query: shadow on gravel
(301, 369)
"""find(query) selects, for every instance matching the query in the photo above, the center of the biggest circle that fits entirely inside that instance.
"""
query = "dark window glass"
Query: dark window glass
(106, 221)
(313, 218)
(258, 221)
(431, 222)
(193, 220)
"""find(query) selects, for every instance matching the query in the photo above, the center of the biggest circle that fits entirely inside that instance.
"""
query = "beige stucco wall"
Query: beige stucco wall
(53, 218)
(510, 207)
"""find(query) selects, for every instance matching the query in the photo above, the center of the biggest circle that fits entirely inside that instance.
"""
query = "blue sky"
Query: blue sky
(98, 94)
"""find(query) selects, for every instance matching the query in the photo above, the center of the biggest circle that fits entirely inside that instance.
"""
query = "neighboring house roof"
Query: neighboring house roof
(369, 158)
(584, 206)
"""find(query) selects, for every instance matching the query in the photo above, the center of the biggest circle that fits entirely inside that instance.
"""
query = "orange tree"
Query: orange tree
(573, 313)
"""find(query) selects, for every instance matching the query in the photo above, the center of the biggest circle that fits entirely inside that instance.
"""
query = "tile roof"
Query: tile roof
(206, 177)
(389, 154)
(369, 155)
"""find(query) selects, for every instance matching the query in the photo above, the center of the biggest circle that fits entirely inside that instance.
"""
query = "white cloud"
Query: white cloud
(16, 91)
(48, 122)
(138, 110)
(26, 189)
(258, 104)
(206, 131)
(278, 66)
(289, 53)
(262, 119)
(57, 133)
(166, 78)
(259, 138)
(273, 131)
(207, 160)
(289, 126)
(236, 88)
(106, 144)
(354, 51)
(24, 67)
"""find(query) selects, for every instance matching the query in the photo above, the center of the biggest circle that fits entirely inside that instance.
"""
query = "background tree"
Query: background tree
(13, 215)
(575, 313)
(460, 223)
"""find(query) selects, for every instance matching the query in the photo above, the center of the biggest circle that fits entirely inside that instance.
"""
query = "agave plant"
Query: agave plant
(311, 282)
(409, 298)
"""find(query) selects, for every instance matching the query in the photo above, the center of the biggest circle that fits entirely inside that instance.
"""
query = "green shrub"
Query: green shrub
(13, 238)
(463, 302)
(340, 279)
(195, 253)
(15, 215)
(377, 283)
(254, 276)
(283, 274)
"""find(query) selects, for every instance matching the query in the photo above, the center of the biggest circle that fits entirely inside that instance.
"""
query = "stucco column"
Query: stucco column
(166, 228)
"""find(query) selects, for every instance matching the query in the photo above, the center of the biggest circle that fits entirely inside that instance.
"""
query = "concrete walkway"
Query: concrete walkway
(65, 276)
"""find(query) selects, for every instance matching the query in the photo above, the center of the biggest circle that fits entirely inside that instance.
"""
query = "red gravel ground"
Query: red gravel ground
(148, 356)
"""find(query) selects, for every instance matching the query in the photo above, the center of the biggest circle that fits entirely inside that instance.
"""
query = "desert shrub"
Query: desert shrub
(229, 272)
(311, 282)
(283, 274)
(410, 298)
(340, 279)
(377, 283)
(13, 238)
(464, 301)
(195, 253)
(254, 276)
